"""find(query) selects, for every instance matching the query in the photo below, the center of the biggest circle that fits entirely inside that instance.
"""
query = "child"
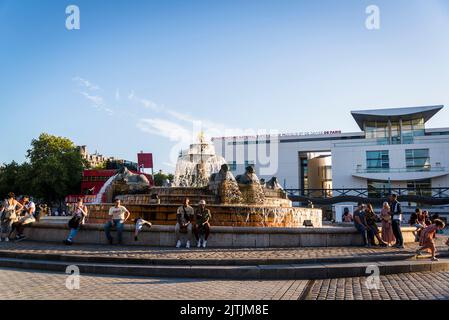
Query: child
(426, 240)
(139, 223)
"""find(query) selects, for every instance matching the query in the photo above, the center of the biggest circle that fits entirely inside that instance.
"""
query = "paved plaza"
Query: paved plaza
(23, 284)
(29, 284)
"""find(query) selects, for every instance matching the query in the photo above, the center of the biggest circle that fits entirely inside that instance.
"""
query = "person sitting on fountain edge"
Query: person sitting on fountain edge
(202, 226)
(118, 220)
(184, 216)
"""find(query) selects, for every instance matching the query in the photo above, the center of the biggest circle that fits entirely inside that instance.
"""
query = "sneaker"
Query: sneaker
(400, 246)
(434, 259)
(6, 239)
(188, 245)
(20, 238)
(199, 244)
(136, 239)
(204, 243)
(67, 242)
(178, 244)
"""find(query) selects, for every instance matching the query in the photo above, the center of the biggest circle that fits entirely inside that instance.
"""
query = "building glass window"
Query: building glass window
(412, 128)
(377, 161)
(417, 159)
(304, 174)
(377, 130)
(395, 133)
(420, 187)
(378, 188)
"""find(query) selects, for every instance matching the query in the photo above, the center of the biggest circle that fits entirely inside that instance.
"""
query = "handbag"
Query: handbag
(75, 222)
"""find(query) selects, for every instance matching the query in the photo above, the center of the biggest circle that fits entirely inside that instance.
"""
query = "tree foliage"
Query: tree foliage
(160, 178)
(54, 170)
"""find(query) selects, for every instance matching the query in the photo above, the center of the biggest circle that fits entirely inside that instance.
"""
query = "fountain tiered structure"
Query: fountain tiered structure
(241, 201)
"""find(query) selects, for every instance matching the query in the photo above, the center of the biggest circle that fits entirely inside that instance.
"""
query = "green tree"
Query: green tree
(56, 167)
(160, 177)
(15, 178)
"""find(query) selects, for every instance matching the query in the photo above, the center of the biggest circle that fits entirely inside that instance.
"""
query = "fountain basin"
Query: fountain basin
(222, 215)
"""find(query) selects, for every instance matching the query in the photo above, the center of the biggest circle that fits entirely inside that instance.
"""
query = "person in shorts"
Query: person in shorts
(29, 209)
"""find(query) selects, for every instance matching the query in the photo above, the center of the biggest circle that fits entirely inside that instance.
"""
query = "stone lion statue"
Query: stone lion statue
(249, 177)
(223, 175)
(273, 183)
(126, 176)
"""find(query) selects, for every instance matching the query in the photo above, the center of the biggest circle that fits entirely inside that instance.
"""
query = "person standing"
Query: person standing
(119, 214)
(184, 217)
(79, 215)
(202, 225)
(360, 223)
(396, 217)
(29, 217)
(8, 215)
(387, 230)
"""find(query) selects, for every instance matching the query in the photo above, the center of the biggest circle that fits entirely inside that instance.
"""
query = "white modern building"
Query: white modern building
(394, 149)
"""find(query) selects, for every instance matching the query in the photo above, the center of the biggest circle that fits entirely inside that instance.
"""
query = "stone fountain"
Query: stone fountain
(241, 201)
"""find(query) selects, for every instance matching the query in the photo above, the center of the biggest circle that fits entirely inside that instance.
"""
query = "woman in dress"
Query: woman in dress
(427, 238)
(387, 230)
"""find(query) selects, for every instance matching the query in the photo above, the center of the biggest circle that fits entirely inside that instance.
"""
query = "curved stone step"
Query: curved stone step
(260, 272)
(377, 257)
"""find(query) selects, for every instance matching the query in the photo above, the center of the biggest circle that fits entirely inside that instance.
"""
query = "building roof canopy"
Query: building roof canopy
(394, 114)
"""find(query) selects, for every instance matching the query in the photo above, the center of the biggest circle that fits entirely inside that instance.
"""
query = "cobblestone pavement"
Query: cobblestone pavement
(209, 253)
(22, 284)
(406, 286)
(37, 285)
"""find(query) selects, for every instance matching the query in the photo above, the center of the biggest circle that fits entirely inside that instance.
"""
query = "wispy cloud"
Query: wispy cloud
(97, 102)
(145, 102)
(85, 83)
(164, 128)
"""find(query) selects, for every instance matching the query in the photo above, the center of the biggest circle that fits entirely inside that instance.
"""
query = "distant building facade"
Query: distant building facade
(94, 160)
(394, 149)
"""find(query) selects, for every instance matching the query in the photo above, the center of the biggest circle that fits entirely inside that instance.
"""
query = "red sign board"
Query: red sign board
(145, 160)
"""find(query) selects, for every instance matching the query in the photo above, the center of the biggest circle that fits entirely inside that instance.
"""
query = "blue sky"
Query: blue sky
(140, 75)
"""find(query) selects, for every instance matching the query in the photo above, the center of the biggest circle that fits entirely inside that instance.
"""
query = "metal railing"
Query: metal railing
(400, 170)
(369, 193)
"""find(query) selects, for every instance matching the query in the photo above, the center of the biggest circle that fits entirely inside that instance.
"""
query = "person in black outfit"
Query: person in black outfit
(396, 217)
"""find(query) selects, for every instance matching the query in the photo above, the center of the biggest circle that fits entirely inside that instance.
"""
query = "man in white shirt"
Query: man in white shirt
(119, 214)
